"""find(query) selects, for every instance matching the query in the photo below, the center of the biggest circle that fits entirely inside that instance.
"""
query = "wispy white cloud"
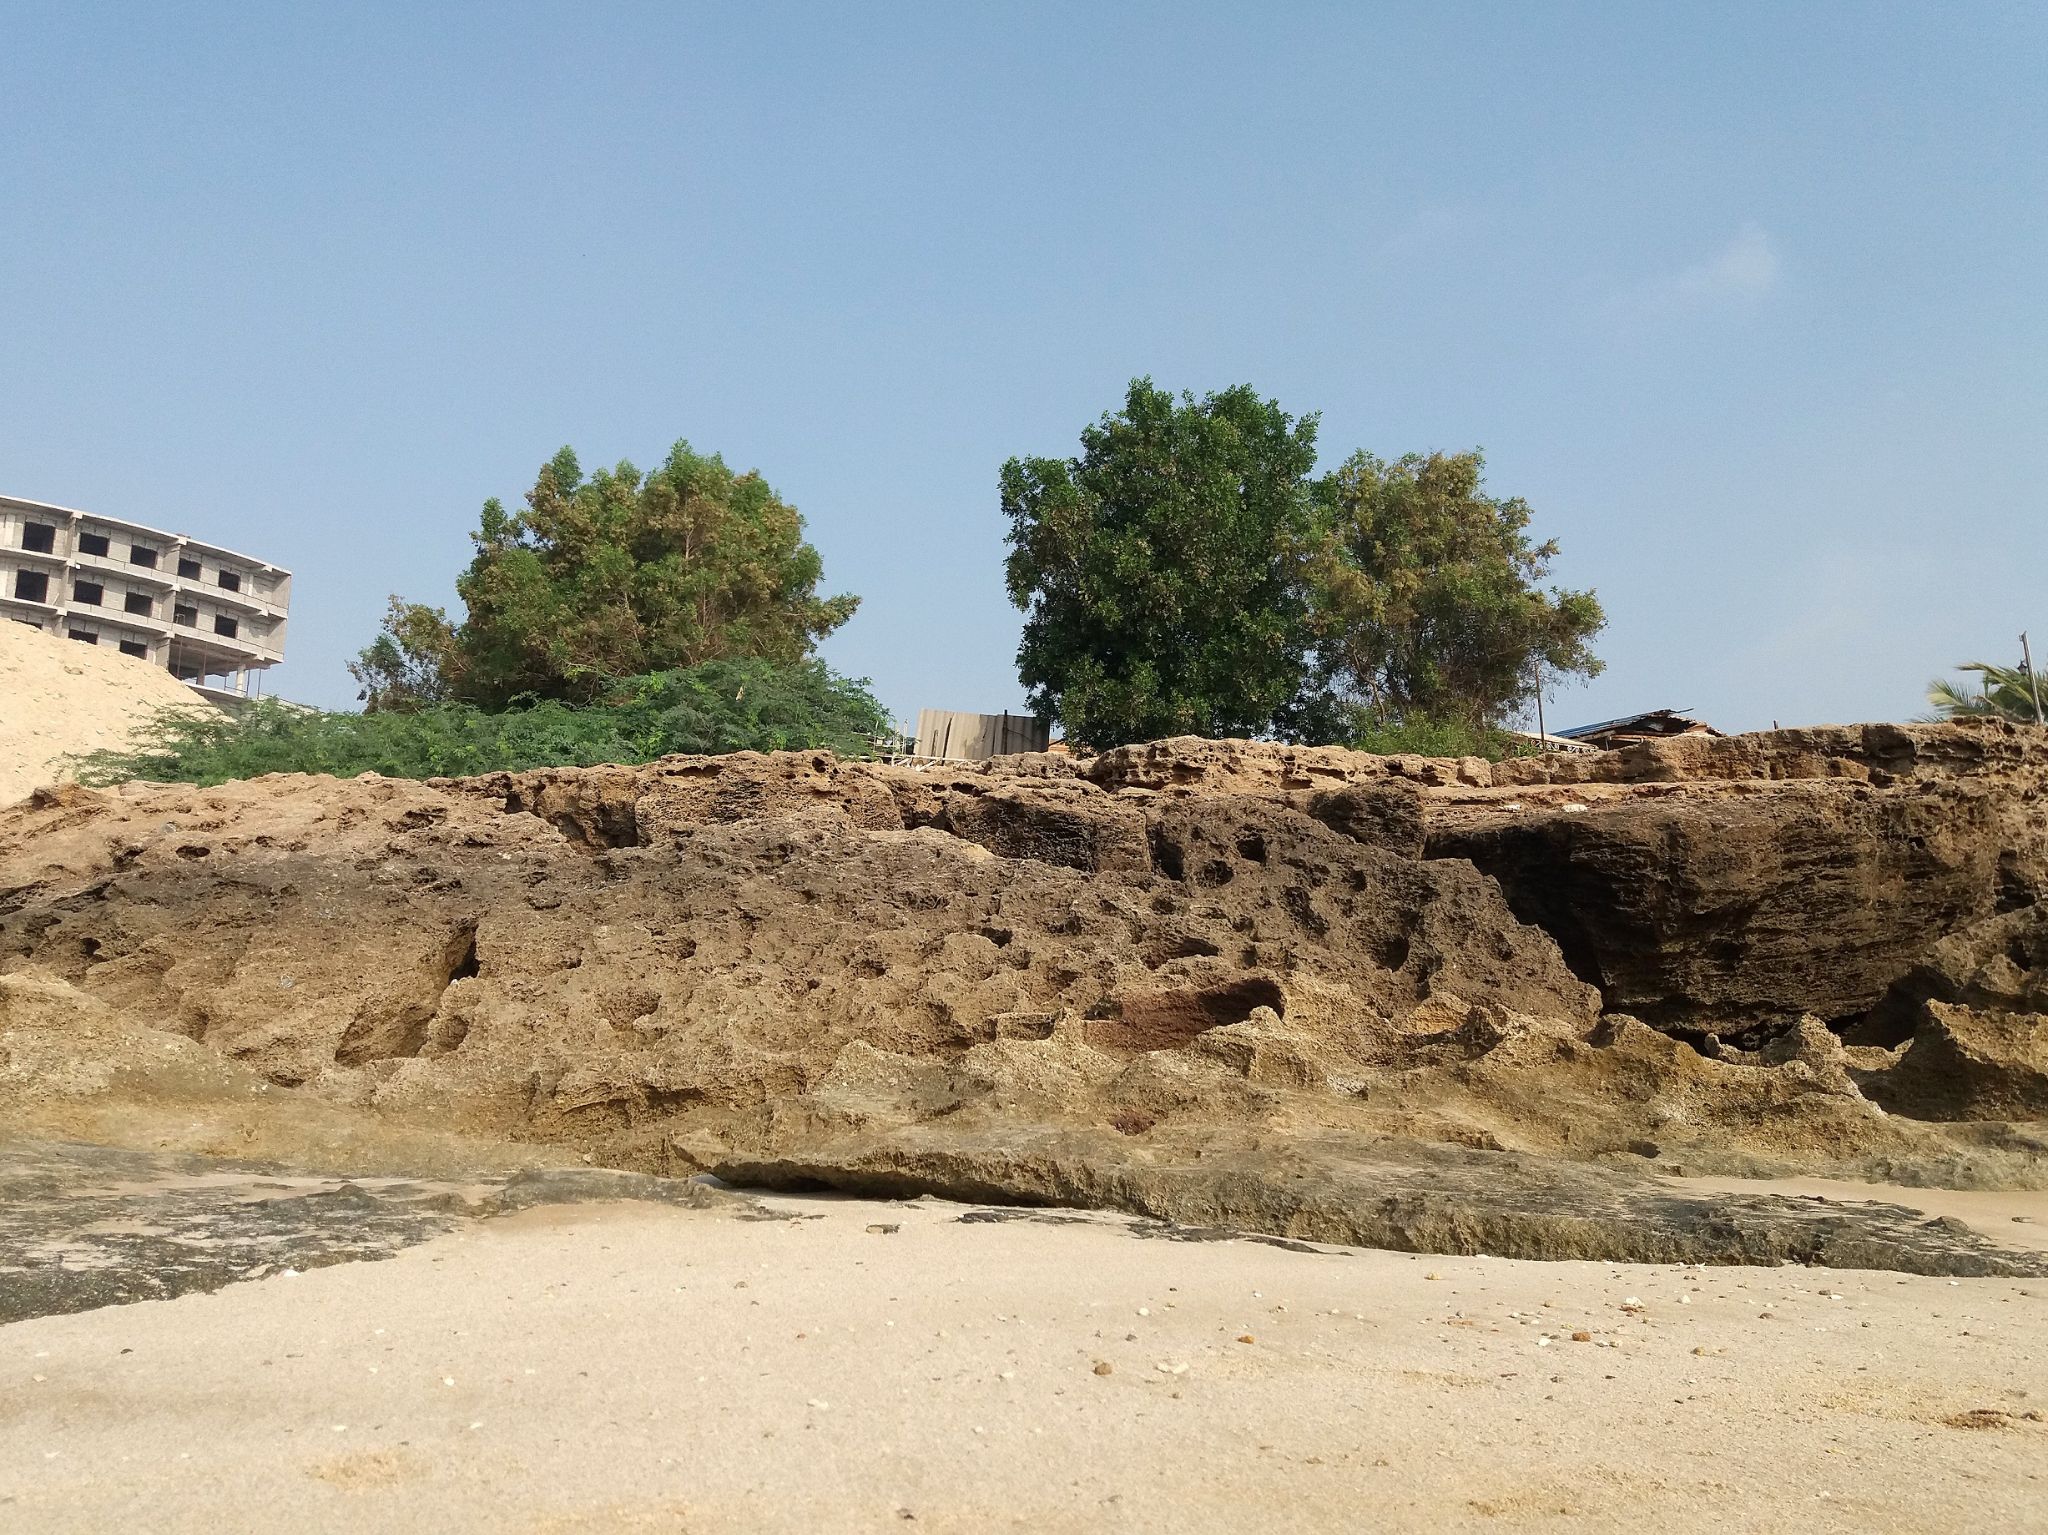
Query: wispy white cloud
(1746, 266)
(1739, 271)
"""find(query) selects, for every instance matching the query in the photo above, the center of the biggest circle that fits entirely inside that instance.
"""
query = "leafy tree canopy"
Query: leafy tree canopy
(1155, 569)
(1426, 597)
(1185, 574)
(411, 661)
(610, 575)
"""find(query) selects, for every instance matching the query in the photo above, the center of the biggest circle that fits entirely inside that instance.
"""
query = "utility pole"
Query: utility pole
(1544, 736)
(2033, 682)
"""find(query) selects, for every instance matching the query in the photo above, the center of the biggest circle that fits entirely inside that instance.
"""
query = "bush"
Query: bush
(720, 706)
(1441, 738)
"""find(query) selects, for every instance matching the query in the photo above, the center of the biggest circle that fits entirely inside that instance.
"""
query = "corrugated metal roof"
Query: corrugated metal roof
(1578, 732)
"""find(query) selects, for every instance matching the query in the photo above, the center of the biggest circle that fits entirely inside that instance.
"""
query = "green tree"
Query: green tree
(610, 575)
(2002, 692)
(411, 663)
(1426, 600)
(1157, 570)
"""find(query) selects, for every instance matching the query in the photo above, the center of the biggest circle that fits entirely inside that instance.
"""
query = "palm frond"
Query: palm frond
(2005, 692)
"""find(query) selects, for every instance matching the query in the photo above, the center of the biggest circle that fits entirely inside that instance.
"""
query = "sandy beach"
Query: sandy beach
(863, 1365)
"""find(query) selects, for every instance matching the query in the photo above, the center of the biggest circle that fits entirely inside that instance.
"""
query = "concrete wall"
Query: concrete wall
(976, 737)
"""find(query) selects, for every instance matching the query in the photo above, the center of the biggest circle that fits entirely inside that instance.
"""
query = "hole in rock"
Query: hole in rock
(1165, 947)
(394, 1024)
(1252, 846)
(1166, 1020)
(2015, 889)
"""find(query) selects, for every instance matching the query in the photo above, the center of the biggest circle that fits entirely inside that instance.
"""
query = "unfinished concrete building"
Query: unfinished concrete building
(215, 619)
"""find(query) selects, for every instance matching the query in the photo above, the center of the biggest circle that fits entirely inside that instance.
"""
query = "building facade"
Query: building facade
(213, 618)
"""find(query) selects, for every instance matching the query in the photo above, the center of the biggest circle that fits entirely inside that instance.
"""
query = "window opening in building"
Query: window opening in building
(140, 602)
(189, 617)
(88, 638)
(146, 558)
(32, 586)
(222, 624)
(38, 538)
(87, 592)
(135, 648)
(230, 582)
(188, 569)
(92, 543)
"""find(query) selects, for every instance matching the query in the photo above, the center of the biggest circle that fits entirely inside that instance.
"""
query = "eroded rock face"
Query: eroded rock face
(381, 937)
(1185, 949)
(1964, 1063)
(1718, 914)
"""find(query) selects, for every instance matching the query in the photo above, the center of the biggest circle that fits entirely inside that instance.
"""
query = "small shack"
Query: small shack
(977, 737)
(1552, 743)
(1652, 725)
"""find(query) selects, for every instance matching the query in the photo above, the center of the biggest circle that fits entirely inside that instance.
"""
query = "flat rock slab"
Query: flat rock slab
(88, 1226)
(1406, 1196)
(83, 1227)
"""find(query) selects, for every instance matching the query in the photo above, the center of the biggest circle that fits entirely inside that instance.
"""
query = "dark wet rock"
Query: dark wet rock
(86, 1226)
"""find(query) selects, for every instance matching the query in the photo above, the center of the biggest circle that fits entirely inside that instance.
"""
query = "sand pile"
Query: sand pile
(59, 697)
(1415, 1003)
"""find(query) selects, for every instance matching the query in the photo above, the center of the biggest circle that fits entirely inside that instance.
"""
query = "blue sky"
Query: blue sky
(1747, 301)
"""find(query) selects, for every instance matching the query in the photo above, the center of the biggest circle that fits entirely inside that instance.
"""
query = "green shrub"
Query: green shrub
(1441, 738)
(720, 706)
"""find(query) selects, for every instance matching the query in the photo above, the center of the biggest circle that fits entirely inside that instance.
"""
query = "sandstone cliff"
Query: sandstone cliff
(1184, 977)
